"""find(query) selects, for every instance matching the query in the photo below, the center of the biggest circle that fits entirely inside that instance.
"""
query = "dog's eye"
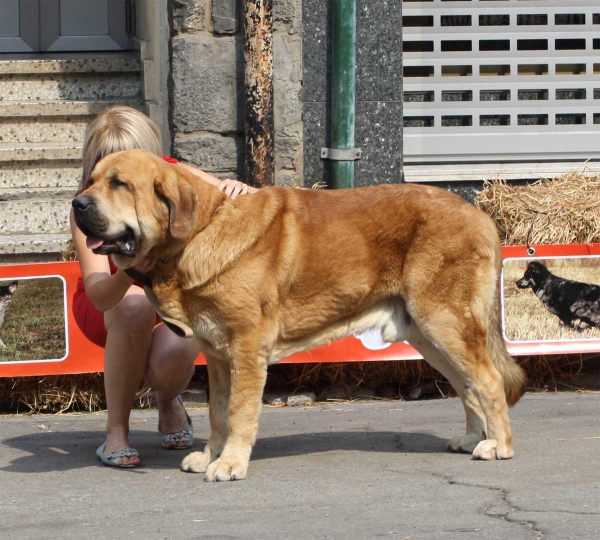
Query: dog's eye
(116, 183)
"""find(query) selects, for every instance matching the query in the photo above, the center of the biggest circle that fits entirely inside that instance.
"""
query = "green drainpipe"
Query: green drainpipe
(343, 92)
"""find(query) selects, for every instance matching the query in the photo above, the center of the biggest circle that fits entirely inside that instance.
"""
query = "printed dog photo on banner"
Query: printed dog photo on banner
(33, 323)
(551, 299)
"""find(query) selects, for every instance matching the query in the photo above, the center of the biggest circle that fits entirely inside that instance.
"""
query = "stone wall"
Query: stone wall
(207, 91)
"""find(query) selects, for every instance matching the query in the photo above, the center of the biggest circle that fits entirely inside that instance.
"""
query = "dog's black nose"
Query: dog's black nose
(82, 202)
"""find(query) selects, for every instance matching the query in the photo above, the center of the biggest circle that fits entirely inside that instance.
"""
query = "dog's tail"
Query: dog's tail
(515, 379)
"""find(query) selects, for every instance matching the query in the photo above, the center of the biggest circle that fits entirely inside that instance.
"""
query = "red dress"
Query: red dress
(89, 319)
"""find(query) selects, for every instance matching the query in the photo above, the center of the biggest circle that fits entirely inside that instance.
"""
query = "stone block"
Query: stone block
(287, 51)
(189, 15)
(275, 399)
(207, 85)
(224, 15)
(299, 400)
(287, 13)
(210, 152)
(290, 178)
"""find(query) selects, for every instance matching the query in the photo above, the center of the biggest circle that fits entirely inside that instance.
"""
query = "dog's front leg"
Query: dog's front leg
(219, 381)
(248, 377)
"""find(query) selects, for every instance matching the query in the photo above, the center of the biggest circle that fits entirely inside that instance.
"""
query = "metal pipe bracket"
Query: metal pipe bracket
(339, 154)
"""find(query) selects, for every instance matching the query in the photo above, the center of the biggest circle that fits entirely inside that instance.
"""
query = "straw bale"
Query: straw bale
(562, 210)
(59, 393)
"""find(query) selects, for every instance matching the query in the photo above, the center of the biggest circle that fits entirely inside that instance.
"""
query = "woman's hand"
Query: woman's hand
(233, 188)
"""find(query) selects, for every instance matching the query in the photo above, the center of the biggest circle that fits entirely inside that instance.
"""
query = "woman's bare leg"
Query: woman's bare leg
(129, 327)
(170, 368)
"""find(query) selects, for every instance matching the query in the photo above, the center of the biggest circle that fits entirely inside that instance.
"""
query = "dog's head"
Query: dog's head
(136, 203)
(6, 291)
(535, 274)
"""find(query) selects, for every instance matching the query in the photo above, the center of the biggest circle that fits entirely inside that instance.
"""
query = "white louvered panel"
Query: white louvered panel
(500, 81)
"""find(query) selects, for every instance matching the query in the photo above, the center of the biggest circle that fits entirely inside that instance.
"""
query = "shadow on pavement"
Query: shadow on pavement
(61, 451)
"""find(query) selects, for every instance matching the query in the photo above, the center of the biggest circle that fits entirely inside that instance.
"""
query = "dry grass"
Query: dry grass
(59, 393)
(564, 210)
(69, 254)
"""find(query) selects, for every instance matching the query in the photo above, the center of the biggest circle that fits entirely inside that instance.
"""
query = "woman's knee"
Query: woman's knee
(171, 360)
(132, 314)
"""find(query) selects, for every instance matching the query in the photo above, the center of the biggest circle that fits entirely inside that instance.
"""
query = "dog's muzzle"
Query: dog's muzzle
(94, 226)
(87, 217)
(523, 283)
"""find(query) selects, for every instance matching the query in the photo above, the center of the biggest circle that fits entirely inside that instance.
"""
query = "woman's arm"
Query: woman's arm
(231, 188)
(104, 290)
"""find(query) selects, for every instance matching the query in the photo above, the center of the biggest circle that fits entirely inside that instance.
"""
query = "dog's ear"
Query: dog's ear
(181, 199)
(13, 286)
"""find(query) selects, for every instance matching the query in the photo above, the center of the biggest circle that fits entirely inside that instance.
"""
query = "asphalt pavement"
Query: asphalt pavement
(351, 471)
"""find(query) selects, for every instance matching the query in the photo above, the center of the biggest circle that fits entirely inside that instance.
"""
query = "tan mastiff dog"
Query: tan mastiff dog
(265, 276)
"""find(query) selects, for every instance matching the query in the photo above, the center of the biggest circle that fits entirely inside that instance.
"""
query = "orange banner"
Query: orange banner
(39, 335)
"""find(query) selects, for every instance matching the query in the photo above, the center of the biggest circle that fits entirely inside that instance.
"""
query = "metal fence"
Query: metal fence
(508, 86)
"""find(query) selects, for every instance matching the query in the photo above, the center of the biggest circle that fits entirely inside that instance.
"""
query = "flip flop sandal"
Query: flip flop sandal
(173, 441)
(112, 459)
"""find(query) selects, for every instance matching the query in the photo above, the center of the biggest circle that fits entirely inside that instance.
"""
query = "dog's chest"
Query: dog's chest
(207, 329)
(541, 294)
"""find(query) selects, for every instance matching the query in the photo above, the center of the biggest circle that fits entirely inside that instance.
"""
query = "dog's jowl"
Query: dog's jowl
(262, 277)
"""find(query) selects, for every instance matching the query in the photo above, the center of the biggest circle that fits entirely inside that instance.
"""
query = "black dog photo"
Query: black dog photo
(552, 299)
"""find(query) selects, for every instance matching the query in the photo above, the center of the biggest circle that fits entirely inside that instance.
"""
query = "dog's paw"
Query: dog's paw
(489, 450)
(196, 462)
(224, 470)
(504, 452)
(464, 443)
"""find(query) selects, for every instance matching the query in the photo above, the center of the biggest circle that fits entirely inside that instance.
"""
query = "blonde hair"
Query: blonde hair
(115, 129)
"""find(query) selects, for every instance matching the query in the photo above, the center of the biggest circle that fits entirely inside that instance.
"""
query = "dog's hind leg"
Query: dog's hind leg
(220, 384)
(476, 424)
(464, 346)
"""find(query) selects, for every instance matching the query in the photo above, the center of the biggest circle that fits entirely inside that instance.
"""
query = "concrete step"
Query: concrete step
(34, 216)
(23, 175)
(28, 194)
(49, 151)
(43, 129)
(118, 62)
(58, 108)
(15, 244)
(66, 86)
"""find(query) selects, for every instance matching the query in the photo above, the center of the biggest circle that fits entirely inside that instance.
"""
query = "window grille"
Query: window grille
(509, 86)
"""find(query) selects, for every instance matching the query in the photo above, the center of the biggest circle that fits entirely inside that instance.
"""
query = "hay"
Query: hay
(553, 372)
(563, 210)
(59, 393)
(69, 254)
